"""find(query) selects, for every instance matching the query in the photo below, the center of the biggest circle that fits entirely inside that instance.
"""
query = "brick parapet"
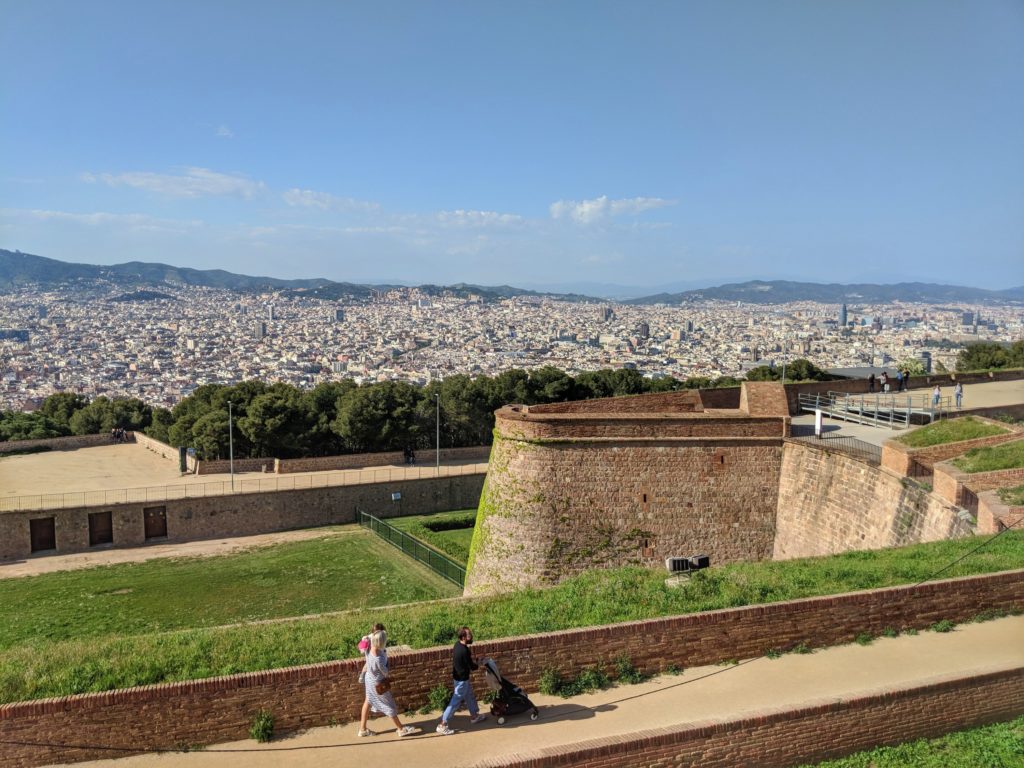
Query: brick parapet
(952, 483)
(901, 458)
(363, 460)
(994, 515)
(219, 709)
(70, 443)
(781, 737)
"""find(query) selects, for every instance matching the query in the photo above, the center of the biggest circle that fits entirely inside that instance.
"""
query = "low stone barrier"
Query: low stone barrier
(70, 443)
(363, 460)
(221, 709)
(918, 462)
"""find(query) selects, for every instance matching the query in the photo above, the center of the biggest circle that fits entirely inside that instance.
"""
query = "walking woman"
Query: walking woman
(377, 680)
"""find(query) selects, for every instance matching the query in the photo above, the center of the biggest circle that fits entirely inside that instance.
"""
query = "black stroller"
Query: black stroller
(510, 698)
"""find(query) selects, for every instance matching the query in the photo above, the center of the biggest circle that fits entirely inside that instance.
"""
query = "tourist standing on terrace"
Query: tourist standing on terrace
(958, 393)
(462, 665)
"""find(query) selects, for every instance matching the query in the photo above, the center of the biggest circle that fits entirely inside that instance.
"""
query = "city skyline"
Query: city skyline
(659, 146)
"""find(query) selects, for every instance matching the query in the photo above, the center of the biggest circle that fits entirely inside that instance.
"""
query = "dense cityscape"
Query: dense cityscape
(159, 346)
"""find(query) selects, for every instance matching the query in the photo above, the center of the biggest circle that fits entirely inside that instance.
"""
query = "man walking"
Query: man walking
(462, 665)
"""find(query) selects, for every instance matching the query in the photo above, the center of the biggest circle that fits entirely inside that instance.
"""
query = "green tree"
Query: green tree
(763, 373)
(379, 417)
(550, 385)
(15, 425)
(983, 356)
(913, 366)
(276, 423)
(160, 424)
(62, 406)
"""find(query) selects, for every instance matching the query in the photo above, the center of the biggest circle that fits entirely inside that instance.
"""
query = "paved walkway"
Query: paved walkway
(698, 694)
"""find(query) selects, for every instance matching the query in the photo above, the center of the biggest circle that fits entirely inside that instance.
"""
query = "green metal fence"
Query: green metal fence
(416, 549)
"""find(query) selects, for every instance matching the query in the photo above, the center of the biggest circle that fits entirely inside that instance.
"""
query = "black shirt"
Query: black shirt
(462, 662)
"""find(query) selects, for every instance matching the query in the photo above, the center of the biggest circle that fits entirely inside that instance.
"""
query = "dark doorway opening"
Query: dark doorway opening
(101, 529)
(156, 522)
(43, 534)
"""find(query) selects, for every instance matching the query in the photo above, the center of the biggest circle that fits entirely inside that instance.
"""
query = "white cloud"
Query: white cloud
(586, 212)
(126, 221)
(324, 201)
(477, 219)
(195, 182)
(224, 132)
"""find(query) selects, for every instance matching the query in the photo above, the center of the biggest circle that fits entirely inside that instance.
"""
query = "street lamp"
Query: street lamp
(231, 447)
(437, 424)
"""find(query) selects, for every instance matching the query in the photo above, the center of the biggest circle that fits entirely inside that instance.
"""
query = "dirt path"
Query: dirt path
(205, 548)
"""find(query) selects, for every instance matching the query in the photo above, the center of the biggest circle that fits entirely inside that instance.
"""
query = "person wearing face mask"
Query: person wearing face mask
(462, 666)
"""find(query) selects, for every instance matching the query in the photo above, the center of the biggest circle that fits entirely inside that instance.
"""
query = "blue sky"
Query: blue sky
(635, 143)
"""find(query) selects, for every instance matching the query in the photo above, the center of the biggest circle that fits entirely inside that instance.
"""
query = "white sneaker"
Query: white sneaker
(367, 732)
(444, 730)
(479, 717)
(409, 730)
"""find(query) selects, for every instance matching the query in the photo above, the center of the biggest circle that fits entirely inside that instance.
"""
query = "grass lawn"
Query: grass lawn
(1005, 456)
(434, 531)
(350, 568)
(40, 667)
(991, 746)
(950, 431)
(1013, 497)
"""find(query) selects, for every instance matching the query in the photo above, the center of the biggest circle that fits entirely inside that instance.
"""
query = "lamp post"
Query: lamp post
(437, 440)
(231, 447)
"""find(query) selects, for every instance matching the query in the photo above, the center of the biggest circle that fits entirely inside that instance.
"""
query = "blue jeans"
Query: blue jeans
(463, 692)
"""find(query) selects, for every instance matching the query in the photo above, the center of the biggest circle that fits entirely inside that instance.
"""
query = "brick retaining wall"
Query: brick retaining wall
(244, 513)
(916, 462)
(787, 737)
(221, 709)
(362, 460)
(70, 443)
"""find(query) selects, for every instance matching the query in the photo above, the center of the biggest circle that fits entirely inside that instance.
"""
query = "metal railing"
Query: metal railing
(890, 409)
(415, 548)
(270, 484)
(851, 446)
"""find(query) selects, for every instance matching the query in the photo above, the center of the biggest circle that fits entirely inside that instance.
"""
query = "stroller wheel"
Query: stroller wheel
(534, 715)
(501, 721)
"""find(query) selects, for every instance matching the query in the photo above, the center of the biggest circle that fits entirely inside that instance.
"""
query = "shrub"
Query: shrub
(625, 672)
(942, 626)
(437, 699)
(262, 728)
(864, 638)
(890, 632)
(550, 682)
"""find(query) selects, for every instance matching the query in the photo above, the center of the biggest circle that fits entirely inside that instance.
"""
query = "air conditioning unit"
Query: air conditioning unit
(687, 564)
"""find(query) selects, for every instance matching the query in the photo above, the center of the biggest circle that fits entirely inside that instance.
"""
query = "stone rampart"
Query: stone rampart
(70, 443)
(243, 513)
(994, 515)
(830, 502)
(569, 490)
(363, 460)
(900, 458)
(221, 709)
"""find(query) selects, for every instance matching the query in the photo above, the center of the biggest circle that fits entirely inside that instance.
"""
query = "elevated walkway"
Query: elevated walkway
(888, 683)
(894, 410)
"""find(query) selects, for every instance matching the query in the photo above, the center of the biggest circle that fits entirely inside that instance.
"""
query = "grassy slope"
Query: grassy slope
(453, 543)
(950, 431)
(40, 668)
(1005, 456)
(991, 746)
(350, 569)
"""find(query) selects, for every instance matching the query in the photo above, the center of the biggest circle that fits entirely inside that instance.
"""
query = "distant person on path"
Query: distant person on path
(906, 380)
(462, 665)
(871, 383)
(377, 679)
(958, 393)
(936, 396)
(899, 380)
(884, 378)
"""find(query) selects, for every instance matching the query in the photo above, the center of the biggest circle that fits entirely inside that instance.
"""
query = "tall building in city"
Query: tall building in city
(606, 313)
(644, 331)
(259, 330)
(42, 311)
(339, 315)
(270, 312)
(842, 316)
(967, 319)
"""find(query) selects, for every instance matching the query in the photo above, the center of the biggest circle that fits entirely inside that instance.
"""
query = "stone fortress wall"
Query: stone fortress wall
(614, 481)
(573, 486)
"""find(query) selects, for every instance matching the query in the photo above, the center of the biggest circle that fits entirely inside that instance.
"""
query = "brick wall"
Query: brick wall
(957, 486)
(223, 466)
(787, 737)
(245, 513)
(830, 502)
(901, 458)
(163, 450)
(221, 709)
(994, 515)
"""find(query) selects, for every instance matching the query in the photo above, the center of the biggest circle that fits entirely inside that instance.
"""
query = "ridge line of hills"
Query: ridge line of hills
(19, 269)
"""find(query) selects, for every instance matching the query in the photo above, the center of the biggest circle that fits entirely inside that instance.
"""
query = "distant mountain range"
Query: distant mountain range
(22, 270)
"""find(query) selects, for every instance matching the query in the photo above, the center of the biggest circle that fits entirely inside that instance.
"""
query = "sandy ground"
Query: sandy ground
(205, 548)
(699, 694)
